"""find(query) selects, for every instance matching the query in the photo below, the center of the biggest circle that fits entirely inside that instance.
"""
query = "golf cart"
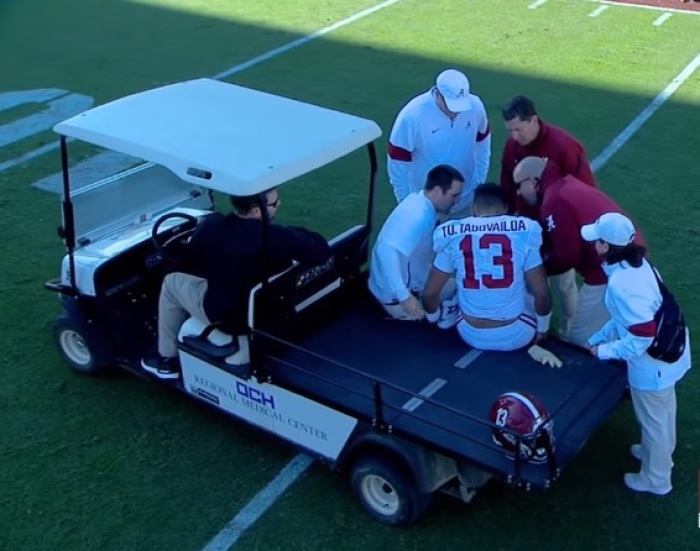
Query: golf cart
(402, 407)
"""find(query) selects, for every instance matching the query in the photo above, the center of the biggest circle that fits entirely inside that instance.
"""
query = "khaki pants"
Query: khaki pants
(656, 413)
(565, 293)
(181, 296)
(582, 311)
(590, 315)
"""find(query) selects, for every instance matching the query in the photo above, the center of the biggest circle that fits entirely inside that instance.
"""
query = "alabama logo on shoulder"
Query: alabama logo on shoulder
(550, 222)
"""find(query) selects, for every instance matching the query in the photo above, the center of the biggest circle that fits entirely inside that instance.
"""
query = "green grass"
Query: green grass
(120, 464)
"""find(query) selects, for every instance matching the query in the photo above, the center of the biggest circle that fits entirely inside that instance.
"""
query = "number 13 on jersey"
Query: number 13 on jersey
(494, 255)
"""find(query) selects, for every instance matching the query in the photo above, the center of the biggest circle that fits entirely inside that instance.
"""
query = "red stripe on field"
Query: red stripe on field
(693, 5)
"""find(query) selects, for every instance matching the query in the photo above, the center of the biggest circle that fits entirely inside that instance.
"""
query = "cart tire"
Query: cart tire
(387, 492)
(74, 348)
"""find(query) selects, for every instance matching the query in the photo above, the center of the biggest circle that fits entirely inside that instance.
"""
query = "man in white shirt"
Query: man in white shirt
(403, 252)
(445, 125)
(496, 261)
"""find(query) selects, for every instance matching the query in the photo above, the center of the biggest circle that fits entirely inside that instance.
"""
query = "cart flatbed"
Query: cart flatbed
(437, 389)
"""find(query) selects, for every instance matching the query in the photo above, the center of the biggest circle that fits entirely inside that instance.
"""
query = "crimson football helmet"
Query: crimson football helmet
(523, 415)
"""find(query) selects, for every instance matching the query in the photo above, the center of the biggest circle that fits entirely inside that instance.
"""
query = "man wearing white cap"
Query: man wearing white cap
(445, 125)
(633, 297)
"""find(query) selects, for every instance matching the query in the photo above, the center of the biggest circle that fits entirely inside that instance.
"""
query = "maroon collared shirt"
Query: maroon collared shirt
(567, 205)
(560, 147)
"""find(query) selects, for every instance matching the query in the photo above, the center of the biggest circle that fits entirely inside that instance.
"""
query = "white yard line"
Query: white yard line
(303, 40)
(662, 19)
(257, 506)
(537, 4)
(596, 12)
(632, 128)
(29, 156)
(643, 7)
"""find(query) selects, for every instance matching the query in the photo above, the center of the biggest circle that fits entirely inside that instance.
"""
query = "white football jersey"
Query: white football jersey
(489, 256)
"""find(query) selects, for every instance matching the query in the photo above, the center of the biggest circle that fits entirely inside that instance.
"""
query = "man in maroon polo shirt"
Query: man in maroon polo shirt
(531, 136)
(565, 205)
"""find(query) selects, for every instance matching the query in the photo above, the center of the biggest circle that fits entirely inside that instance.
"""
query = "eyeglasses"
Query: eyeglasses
(274, 204)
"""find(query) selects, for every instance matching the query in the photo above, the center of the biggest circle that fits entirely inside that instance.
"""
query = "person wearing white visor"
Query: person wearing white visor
(632, 298)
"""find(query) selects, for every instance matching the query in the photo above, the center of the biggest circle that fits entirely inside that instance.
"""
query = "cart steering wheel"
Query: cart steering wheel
(171, 248)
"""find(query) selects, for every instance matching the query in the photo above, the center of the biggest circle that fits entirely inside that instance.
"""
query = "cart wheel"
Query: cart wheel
(74, 348)
(387, 493)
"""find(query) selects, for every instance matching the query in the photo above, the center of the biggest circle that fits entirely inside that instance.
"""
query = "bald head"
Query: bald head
(529, 167)
(526, 176)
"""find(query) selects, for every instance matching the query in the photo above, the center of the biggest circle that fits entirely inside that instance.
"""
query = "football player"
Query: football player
(496, 260)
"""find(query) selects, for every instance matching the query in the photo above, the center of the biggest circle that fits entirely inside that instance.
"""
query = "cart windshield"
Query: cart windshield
(130, 198)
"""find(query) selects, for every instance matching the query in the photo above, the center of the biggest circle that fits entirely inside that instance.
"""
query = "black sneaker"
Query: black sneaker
(163, 368)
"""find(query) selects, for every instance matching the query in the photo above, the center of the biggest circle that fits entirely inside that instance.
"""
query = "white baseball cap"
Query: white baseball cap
(454, 87)
(611, 227)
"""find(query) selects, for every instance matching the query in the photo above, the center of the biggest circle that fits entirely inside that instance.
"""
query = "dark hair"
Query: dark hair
(442, 176)
(633, 254)
(243, 204)
(521, 107)
(490, 197)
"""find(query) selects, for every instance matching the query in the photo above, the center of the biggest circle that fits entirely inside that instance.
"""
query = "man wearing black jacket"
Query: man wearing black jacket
(226, 258)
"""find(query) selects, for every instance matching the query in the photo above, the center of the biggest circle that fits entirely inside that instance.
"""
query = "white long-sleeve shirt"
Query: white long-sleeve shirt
(403, 252)
(633, 297)
(423, 137)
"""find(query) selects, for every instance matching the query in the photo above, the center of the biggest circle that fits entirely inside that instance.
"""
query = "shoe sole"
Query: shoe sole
(646, 491)
(154, 371)
(649, 492)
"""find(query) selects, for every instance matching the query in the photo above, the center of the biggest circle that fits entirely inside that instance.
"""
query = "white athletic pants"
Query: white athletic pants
(181, 296)
(518, 334)
(656, 414)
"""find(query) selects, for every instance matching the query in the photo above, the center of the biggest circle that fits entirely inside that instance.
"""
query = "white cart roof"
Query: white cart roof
(222, 136)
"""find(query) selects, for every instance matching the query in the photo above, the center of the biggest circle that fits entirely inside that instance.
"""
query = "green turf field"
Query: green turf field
(121, 464)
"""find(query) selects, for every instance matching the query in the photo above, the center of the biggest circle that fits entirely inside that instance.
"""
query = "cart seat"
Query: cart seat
(211, 343)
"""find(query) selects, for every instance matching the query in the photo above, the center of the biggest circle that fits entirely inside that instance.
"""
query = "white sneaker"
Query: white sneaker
(449, 313)
(635, 483)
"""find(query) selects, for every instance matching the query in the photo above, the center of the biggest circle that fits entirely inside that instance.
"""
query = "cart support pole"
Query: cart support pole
(68, 230)
(373, 167)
